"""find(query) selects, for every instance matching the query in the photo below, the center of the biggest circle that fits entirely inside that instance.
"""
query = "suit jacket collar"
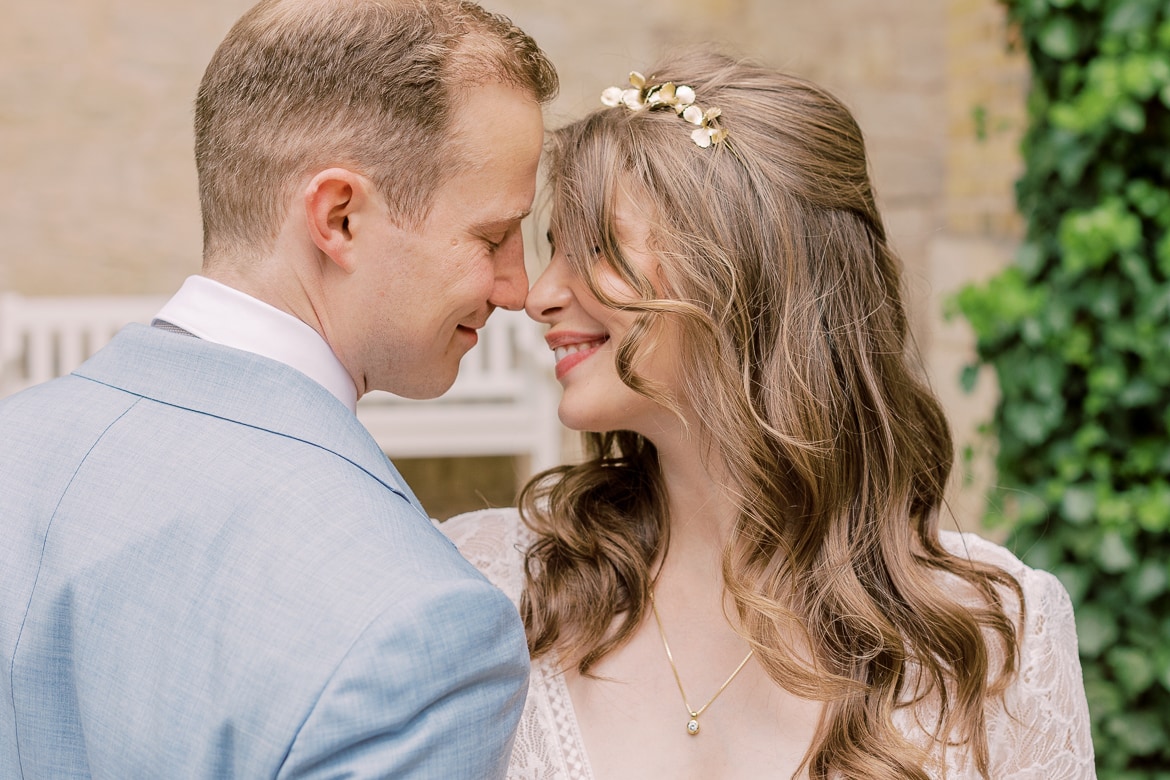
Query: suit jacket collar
(234, 385)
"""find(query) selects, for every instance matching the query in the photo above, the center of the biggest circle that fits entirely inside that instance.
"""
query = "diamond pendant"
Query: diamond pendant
(693, 726)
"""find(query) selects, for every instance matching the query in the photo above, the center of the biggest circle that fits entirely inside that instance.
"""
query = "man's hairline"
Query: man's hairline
(459, 159)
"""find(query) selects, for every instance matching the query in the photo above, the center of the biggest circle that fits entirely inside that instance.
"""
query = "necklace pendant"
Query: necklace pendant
(693, 726)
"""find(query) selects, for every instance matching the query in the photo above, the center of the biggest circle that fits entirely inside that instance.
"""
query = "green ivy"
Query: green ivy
(1078, 332)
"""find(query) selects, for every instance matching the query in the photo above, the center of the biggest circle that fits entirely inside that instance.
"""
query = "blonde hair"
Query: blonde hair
(776, 268)
(372, 85)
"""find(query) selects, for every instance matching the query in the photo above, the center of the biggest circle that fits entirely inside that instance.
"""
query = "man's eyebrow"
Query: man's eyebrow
(503, 221)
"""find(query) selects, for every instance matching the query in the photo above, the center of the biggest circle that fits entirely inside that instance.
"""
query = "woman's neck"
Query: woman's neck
(701, 516)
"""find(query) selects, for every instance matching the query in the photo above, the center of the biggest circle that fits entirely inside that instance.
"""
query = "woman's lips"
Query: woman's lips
(569, 349)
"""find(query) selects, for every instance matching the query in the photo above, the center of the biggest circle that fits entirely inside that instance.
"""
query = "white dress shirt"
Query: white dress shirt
(224, 315)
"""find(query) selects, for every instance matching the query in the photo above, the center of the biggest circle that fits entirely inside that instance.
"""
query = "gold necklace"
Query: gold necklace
(693, 723)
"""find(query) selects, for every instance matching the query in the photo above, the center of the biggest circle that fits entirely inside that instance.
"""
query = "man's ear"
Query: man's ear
(332, 199)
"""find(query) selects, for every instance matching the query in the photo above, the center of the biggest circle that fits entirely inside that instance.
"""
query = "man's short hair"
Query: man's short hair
(370, 85)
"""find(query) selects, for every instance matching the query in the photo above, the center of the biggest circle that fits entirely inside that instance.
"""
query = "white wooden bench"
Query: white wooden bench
(503, 403)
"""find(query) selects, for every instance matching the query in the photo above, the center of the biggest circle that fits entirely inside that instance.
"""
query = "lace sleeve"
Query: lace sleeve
(1041, 729)
(493, 541)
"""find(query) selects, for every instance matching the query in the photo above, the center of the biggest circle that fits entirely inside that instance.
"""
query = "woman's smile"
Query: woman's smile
(569, 349)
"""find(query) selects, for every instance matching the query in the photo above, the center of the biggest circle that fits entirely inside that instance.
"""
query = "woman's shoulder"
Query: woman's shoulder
(1047, 633)
(1037, 585)
(494, 541)
(977, 548)
(1041, 729)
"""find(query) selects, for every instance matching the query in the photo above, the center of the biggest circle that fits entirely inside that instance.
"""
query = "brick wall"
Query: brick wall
(986, 89)
(95, 141)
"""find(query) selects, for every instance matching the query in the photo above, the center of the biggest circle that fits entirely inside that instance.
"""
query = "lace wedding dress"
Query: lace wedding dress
(1045, 736)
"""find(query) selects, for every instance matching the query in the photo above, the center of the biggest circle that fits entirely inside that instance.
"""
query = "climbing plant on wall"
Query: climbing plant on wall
(1078, 332)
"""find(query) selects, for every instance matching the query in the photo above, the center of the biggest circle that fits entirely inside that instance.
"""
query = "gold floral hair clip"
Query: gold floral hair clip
(681, 98)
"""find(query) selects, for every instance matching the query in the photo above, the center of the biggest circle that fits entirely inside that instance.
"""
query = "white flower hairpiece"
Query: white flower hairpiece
(681, 98)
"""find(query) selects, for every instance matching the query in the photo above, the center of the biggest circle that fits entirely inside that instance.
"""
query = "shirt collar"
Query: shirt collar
(224, 315)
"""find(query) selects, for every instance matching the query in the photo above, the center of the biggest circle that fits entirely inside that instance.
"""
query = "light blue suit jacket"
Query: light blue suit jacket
(209, 569)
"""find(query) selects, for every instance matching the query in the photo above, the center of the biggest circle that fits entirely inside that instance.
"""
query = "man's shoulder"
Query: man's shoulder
(495, 541)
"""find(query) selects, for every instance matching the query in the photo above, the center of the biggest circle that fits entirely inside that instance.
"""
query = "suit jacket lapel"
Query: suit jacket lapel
(234, 385)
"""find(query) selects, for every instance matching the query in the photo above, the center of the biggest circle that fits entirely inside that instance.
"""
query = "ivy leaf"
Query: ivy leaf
(1105, 300)
(1032, 422)
(1075, 579)
(1140, 732)
(1153, 511)
(1162, 253)
(1143, 74)
(1130, 16)
(1090, 238)
(1114, 512)
(1058, 38)
(1116, 553)
(1096, 630)
(1090, 437)
(1129, 116)
(1138, 392)
(1148, 581)
(1107, 380)
(1133, 668)
(1071, 165)
(969, 377)
(1104, 697)
(1077, 505)
(1030, 258)
(1149, 200)
(1164, 668)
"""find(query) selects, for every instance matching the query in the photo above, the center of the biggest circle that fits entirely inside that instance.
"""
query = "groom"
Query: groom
(209, 569)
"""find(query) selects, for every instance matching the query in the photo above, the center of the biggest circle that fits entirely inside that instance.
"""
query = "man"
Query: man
(209, 568)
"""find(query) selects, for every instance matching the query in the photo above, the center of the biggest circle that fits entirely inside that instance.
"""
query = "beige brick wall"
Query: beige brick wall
(95, 141)
(985, 120)
(99, 187)
(986, 92)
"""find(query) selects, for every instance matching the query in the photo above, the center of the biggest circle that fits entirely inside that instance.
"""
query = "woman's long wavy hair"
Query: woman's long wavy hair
(776, 271)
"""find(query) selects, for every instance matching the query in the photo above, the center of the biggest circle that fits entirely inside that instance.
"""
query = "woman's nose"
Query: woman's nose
(550, 294)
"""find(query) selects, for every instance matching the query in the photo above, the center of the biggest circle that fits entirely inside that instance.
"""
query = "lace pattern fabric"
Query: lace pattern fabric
(1040, 730)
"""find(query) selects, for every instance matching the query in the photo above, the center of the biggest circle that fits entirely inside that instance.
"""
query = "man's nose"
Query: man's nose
(511, 284)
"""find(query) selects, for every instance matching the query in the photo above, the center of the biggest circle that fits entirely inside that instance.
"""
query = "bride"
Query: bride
(745, 577)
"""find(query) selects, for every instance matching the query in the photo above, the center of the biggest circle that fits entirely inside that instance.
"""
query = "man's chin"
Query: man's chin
(427, 385)
(426, 392)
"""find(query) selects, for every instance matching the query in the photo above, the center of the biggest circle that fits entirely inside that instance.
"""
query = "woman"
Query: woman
(745, 577)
